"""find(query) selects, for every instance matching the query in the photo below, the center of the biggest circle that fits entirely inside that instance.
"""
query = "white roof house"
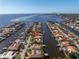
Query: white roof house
(8, 55)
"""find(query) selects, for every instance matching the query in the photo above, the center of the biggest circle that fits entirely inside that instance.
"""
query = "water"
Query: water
(7, 41)
(6, 18)
(49, 41)
(70, 29)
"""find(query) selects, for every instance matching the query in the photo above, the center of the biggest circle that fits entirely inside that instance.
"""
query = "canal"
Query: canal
(51, 43)
(70, 29)
(13, 37)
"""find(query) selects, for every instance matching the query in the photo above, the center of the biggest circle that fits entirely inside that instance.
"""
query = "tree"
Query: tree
(17, 56)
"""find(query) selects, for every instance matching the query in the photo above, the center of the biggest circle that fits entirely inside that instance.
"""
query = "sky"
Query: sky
(39, 6)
